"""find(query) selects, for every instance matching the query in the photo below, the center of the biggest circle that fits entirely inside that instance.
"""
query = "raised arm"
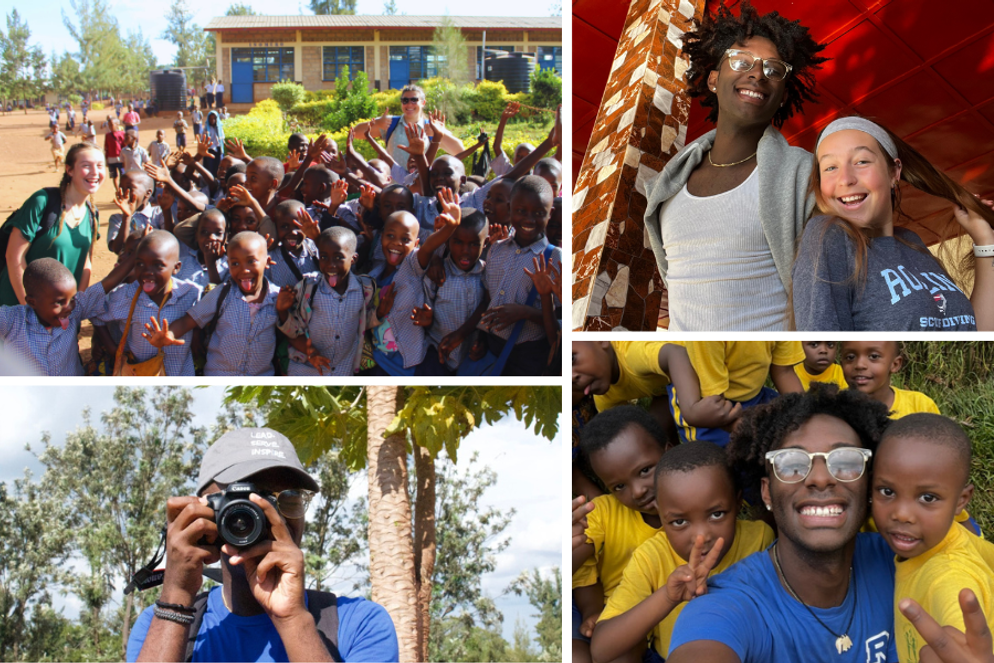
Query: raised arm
(161, 174)
(445, 224)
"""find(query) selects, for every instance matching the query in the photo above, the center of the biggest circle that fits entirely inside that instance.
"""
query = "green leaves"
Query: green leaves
(287, 94)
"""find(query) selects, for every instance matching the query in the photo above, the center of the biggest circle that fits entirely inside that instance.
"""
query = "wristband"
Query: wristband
(983, 251)
(176, 606)
(171, 616)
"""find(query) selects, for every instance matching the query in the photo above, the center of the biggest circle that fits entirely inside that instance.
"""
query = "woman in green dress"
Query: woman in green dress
(71, 232)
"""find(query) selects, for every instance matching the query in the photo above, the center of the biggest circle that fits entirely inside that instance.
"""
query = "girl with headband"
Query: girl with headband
(856, 271)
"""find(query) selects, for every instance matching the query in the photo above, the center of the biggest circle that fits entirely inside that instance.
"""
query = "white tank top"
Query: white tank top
(399, 137)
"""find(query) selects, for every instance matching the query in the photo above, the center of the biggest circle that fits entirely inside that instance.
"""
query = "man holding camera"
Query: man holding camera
(252, 494)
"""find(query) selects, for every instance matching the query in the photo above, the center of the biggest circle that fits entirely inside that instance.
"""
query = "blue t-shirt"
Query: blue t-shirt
(365, 633)
(748, 610)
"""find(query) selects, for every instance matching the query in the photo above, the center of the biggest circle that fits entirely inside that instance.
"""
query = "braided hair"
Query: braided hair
(66, 181)
(706, 46)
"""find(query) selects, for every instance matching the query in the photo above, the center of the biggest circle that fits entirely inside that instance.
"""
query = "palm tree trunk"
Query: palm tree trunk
(391, 550)
(424, 542)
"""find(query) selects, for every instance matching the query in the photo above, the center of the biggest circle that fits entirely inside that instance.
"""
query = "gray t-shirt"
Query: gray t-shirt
(906, 288)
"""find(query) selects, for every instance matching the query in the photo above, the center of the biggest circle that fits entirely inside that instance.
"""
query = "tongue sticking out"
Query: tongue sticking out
(393, 258)
(333, 280)
(291, 243)
(245, 284)
(64, 323)
(148, 286)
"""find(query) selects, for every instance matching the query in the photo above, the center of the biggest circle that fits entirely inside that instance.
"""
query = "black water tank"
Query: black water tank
(169, 87)
(513, 68)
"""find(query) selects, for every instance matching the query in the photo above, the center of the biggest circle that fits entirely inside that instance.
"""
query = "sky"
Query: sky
(47, 29)
(529, 480)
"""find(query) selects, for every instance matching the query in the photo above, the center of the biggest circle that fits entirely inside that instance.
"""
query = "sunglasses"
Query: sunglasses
(776, 70)
(844, 464)
(291, 503)
(409, 100)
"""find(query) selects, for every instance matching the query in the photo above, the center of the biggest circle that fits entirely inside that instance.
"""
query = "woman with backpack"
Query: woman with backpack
(58, 223)
(412, 101)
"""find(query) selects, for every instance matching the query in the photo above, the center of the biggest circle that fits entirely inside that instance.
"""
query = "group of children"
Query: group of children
(656, 501)
(325, 266)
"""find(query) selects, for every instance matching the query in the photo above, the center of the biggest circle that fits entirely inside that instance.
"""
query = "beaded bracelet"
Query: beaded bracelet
(176, 606)
(169, 615)
(983, 251)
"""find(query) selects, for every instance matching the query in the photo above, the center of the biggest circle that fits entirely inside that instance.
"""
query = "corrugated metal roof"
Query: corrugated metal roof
(304, 22)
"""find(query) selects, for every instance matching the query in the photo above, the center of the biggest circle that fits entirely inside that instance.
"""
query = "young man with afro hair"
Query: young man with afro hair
(724, 214)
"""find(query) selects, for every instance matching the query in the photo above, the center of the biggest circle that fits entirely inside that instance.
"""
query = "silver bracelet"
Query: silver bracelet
(983, 251)
(169, 615)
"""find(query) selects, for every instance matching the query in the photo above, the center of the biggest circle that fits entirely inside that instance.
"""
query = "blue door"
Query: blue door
(241, 82)
(400, 73)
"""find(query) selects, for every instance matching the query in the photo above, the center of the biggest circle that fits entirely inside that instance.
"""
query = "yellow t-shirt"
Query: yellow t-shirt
(639, 374)
(616, 531)
(935, 579)
(738, 369)
(909, 402)
(654, 561)
(832, 375)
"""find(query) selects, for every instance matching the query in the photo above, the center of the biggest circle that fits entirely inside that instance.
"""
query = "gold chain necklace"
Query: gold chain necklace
(843, 643)
(726, 165)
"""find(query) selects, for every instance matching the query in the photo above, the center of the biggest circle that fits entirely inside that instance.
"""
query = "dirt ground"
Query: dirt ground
(26, 166)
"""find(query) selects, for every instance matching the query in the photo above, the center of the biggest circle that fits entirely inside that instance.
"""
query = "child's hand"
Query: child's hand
(478, 349)
(498, 233)
(589, 623)
(691, 579)
(126, 203)
(160, 337)
(436, 270)
(436, 122)
(215, 249)
(975, 225)
(423, 316)
(947, 644)
(501, 317)
(580, 509)
(292, 162)
(158, 173)
(316, 359)
(286, 298)
(386, 301)
(367, 196)
(307, 224)
(415, 140)
(448, 205)
(166, 198)
(235, 148)
(315, 149)
(334, 165)
(367, 231)
(203, 145)
(714, 412)
(239, 195)
(350, 152)
(339, 192)
(449, 343)
(544, 277)
(510, 111)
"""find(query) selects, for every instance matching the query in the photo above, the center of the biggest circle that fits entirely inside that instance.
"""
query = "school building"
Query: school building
(253, 52)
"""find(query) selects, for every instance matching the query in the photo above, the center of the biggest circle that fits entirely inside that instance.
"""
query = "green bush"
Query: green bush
(547, 88)
(311, 113)
(318, 95)
(96, 105)
(488, 100)
(388, 101)
(287, 94)
(353, 102)
(262, 130)
(453, 100)
(75, 99)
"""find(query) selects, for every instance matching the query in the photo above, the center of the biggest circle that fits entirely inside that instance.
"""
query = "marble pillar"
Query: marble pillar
(642, 122)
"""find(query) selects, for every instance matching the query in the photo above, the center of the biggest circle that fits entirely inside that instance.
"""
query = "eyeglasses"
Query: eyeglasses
(844, 464)
(776, 70)
(409, 100)
(291, 503)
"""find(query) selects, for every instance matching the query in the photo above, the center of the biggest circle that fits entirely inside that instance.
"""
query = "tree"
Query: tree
(430, 419)
(321, 7)
(240, 9)
(390, 7)
(101, 53)
(545, 594)
(449, 48)
(22, 66)
(190, 40)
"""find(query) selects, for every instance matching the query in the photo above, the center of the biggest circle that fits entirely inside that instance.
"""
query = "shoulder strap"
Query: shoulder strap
(127, 327)
(212, 325)
(199, 608)
(394, 121)
(288, 258)
(323, 606)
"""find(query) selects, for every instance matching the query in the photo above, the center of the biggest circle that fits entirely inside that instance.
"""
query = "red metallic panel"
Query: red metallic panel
(971, 70)
(920, 100)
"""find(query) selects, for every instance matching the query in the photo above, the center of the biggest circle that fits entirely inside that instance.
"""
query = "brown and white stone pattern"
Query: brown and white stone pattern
(641, 124)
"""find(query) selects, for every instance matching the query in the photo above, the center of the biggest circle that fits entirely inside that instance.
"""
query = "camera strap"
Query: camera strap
(148, 576)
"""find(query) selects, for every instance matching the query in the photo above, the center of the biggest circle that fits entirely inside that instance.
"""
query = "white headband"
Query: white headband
(864, 125)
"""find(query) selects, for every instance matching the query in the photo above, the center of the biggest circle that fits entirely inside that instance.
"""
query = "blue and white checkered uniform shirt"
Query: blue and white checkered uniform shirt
(178, 360)
(191, 270)
(281, 274)
(507, 282)
(350, 211)
(49, 352)
(452, 303)
(378, 259)
(333, 328)
(244, 340)
(409, 294)
(426, 207)
(150, 215)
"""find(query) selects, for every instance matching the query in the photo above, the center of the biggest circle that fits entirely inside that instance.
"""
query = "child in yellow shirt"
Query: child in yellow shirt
(622, 446)
(921, 482)
(819, 364)
(698, 503)
(734, 372)
(868, 365)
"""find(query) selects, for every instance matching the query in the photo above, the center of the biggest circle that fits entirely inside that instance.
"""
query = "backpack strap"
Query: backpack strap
(323, 606)
(288, 259)
(199, 608)
(212, 325)
(394, 121)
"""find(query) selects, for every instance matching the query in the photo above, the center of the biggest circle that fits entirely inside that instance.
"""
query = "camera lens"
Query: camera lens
(241, 523)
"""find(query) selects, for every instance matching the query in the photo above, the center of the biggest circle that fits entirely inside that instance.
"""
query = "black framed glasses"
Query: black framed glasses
(409, 100)
(844, 464)
(773, 69)
(293, 503)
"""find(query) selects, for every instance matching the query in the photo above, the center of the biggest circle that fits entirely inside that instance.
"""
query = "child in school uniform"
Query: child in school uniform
(921, 487)
(622, 447)
(331, 310)
(868, 365)
(58, 141)
(133, 155)
(202, 240)
(158, 149)
(819, 364)
(293, 255)
(180, 126)
(198, 121)
(242, 313)
(135, 211)
(698, 500)
(43, 332)
(157, 295)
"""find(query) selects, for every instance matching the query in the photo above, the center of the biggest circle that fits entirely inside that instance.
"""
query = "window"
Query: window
(269, 65)
(551, 57)
(422, 60)
(337, 57)
(491, 51)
